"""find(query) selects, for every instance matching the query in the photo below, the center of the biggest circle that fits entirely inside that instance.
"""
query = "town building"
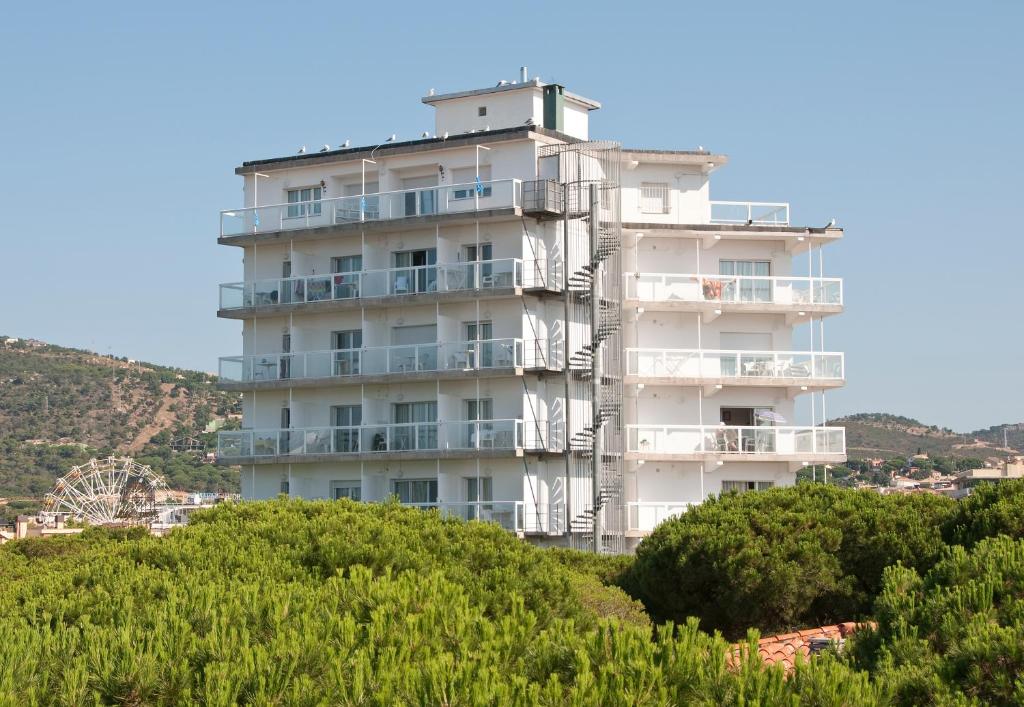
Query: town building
(510, 321)
(26, 526)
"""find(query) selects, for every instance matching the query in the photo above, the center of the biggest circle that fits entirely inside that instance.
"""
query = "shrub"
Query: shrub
(959, 632)
(990, 510)
(290, 602)
(783, 558)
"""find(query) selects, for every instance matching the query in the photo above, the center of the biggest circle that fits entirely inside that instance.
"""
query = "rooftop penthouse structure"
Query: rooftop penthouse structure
(507, 320)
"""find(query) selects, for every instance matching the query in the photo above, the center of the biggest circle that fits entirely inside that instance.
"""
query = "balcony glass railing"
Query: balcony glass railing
(691, 363)
(384, 206)
(753, 213)
(397, 437)
(734, 289)
(721, 439)
(514, 516)
(453, 277)
(646, 516)
(455, 356)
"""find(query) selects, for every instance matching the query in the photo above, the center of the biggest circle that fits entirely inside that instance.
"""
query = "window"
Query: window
(347, 415)
(479, 493)
(346, 279)
(347, 339)
(304, 202)
(347, 263)
(415, 425)
(346, 418)
(286, 361)
(418, 491)
(654, 198)
(346, 346)
(751, 285)
(479, 337)
(414, 271)
(743, 486)
(480, 270)
(346, 489)
(284, 485)
(466, 185)
(481, 111)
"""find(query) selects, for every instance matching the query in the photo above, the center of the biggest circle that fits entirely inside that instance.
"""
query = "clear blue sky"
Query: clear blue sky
(122, 123)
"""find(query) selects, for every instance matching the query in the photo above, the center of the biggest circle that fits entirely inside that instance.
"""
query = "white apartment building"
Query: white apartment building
(509, 321)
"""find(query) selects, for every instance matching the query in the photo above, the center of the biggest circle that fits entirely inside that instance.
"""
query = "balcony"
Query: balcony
(643, 517)
(763, 443)
(520, 517)
(383, 362)
(711, 293)
(749, 213)
(474, 277)
(794, 369)
(416, 440)
(384, 206)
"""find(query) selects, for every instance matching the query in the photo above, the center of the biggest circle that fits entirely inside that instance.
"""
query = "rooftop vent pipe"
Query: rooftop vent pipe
(523, 74)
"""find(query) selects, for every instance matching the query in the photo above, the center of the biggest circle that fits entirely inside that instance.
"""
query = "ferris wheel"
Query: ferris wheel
(111, 491)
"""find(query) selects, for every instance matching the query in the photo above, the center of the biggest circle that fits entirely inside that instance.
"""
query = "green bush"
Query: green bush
(783, 558)
(991, 509)
(302, 603)
(957, 633)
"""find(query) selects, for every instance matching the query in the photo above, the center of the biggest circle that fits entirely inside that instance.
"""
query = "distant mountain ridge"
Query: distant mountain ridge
(879, 434)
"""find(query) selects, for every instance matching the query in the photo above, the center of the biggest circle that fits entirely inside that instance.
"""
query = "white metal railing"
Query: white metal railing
(455, 356)
(734, 289)
(755, 213)
(420, 279)
(722, 439)
(644, 516)
(696, 363)
(514, 516)
(395, 437)
(382, 206)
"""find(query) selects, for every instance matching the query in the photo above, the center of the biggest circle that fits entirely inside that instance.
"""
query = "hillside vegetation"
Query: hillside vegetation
(316, 603)
(60, 406)
(883, 435)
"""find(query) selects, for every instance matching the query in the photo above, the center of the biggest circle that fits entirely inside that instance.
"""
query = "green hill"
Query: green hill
(61, 406)
(884, 435)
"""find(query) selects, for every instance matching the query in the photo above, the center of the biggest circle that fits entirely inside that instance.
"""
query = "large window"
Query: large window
(346, 345)
(346, 281)
(479, 494)
(654, 198)
(415, 425)
(753, 285)
(420, 491)
(479, 337)
(743, 486)
(346, 489)
(304, 202)
(414, 271)
(347, 419)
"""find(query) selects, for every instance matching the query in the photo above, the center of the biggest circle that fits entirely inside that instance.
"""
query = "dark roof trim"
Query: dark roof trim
(402, 148)
(534, 83)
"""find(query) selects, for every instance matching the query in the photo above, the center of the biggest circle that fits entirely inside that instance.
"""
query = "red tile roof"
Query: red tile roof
(784, 647)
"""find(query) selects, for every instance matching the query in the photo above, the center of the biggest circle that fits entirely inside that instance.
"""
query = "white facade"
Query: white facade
(405, 320)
